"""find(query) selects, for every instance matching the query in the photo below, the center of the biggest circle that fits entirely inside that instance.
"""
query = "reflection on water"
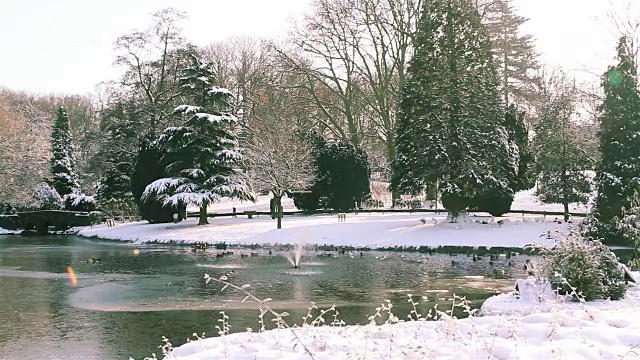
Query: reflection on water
(124, 303)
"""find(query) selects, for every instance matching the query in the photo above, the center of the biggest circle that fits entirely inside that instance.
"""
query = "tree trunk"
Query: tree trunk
(391, 155)
(203, 213)
(566, 211)
(183, 213)
(272, 206)
(278, 203)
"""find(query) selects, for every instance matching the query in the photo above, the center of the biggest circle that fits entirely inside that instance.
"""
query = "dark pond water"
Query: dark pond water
(124, 304)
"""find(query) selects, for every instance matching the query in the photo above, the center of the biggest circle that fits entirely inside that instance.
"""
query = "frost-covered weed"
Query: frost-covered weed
(166, 348)
(315, 317)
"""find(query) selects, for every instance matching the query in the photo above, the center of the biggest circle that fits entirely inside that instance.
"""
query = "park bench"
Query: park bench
(250, 213)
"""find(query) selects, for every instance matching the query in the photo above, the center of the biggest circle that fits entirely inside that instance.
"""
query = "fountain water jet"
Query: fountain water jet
(295, 255)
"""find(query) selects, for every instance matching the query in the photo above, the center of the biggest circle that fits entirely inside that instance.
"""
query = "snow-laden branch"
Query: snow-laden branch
(187, 109)
(213, 118)
(219, 91)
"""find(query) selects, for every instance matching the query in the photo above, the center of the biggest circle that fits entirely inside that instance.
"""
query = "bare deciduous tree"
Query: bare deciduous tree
(244, 65)
(278, 161)
(24, 162)
(357, 52)
(151, 59)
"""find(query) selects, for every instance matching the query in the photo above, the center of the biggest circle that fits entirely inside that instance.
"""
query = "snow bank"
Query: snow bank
(598, 330)
(371, 230)
(534, 295)
(537, 296)
(4, 231)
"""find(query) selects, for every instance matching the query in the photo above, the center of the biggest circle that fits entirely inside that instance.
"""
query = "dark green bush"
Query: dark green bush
(454, 203)
(495, 202)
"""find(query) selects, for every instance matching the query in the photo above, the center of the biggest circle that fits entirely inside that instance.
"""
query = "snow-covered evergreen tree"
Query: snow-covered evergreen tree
(519, 137)
(618, 172)
(148, 168)
(561, 161)
(113, 193)
(449, 122)
(497, 201)
(202, 159)
(342, 175)
(121, 124)
(514, 54)
(64, 180)
(79, 202)
(344, 169)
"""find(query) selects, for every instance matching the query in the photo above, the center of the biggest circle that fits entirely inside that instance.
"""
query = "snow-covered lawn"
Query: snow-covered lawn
(597, 330)
(372, 230)
(526, 200)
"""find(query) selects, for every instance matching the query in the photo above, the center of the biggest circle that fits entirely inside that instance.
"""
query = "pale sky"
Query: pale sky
(67, 45)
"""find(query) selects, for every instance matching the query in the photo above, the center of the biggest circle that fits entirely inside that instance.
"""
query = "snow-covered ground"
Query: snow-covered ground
(372, 230)
(526, 200)
(571, 330)
(262, 204)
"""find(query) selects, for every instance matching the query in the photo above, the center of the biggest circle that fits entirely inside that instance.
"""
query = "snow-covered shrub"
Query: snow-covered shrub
(372, 203)
(584, 267)
(414, 203)
(118, 207)
(590, 227)
(46, 198)
(621, 230)
(7, 208)
(629, 223)
(79, 202)
(629, 226)
(96, 217)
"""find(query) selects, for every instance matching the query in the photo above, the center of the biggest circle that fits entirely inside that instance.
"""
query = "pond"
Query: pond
(134, 295)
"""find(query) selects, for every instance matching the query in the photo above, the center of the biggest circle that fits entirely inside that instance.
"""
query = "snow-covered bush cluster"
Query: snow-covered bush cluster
(584, 267)
(46, 198)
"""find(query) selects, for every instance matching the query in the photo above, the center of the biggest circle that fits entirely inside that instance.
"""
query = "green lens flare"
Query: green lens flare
(614, 77)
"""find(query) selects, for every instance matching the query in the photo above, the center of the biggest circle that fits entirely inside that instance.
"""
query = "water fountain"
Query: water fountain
(295, 255)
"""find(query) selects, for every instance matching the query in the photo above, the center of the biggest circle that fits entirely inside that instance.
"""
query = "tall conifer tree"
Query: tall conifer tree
(618, 172)
(449, 124)
(514, 54)
(64, 180)
(202, 158)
